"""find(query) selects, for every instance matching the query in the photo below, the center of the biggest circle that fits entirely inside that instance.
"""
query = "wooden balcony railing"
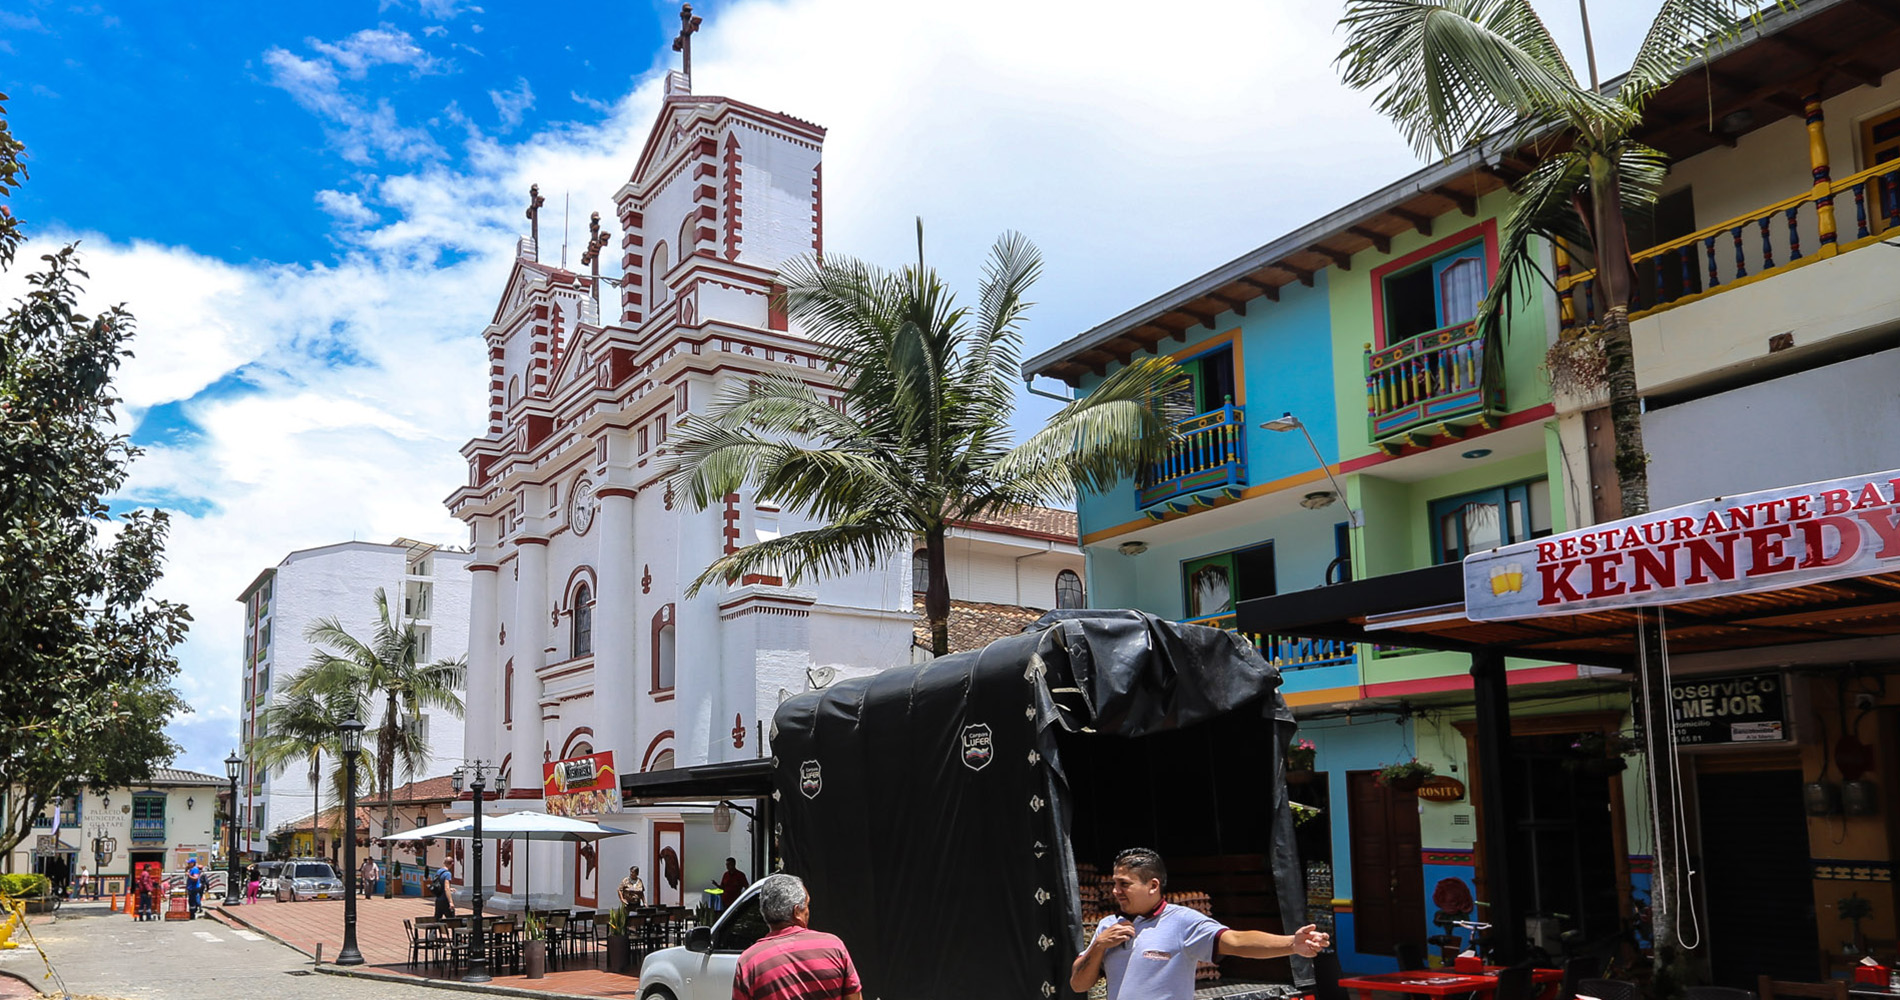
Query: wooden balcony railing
(1446, 377)
(1211, 454)
(1790, 233)
(1283, 651)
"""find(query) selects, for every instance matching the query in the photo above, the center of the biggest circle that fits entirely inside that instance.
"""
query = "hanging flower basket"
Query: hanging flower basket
(1405, 776)
(1301, 756)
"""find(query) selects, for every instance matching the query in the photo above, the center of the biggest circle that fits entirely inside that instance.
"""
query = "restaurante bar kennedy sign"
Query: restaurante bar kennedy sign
(1730, 545)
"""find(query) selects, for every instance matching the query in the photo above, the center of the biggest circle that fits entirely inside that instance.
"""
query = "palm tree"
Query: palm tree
(922, 438)
(1454, 73)
(387, 665)
(301, 726)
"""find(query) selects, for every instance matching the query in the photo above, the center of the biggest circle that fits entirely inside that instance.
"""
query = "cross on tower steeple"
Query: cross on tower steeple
(684, 43)
(535, 201)
(596, 241)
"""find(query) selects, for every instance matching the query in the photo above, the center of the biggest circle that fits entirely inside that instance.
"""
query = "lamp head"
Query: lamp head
(455, 780)
(232, 765)
(1323, 498)
(351, 731)
(1133, 548)
(1283, 422)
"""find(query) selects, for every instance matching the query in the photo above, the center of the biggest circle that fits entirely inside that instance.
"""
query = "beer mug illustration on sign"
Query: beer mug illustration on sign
(1507, 579)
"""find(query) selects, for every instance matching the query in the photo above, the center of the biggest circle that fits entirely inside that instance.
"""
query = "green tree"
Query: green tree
(922, 439)
(85, 650)
(1454, 73)
(386, 665)
(300, 727)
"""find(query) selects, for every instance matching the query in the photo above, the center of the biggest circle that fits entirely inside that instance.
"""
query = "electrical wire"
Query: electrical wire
(1688, 875)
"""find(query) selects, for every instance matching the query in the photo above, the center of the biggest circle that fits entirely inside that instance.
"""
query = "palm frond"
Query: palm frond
(1451, 72)
(1545, 208)
(1100, 439)
(1683, 31)
(855, 543)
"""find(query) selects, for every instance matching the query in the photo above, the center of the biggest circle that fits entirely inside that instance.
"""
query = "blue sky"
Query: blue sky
(311, 207)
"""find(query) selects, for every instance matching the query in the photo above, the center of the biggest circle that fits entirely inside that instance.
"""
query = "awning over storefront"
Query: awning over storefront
(1790, 566)
(747, 779)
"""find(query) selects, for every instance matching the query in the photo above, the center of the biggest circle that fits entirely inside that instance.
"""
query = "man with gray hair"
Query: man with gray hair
(793, 962)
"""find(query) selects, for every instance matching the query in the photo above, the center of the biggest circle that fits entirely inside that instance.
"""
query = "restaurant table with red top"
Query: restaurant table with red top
(1447, 983)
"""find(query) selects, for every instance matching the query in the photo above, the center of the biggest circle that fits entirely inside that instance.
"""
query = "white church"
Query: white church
(586, 661)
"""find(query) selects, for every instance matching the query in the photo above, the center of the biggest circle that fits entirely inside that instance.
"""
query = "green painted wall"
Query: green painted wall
(1525, 384)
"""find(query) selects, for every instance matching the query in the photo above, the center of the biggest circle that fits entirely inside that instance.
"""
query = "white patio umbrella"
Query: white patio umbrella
(522, 825)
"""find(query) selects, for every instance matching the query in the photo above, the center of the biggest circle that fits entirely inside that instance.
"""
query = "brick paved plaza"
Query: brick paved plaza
(385, 945)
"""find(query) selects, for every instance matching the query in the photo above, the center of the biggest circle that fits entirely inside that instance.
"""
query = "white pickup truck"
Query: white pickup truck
(702, 968)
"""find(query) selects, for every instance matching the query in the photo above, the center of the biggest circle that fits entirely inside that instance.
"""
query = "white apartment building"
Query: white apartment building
(426, 584)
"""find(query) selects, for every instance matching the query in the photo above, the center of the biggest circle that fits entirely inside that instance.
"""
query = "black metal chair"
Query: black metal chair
(1577, 970)
(1606, 989)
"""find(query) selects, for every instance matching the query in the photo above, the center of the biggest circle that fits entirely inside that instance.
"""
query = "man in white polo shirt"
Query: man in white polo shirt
(1149, 949)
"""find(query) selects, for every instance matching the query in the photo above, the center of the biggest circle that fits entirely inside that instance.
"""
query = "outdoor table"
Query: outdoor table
(1446, 983)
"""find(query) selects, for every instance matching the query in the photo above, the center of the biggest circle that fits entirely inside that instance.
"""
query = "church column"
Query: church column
(615, 621)
(531, 622)
(481, 710)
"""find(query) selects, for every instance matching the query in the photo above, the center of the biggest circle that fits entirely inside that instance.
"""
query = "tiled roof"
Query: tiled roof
(974, 625)
(437, 789)
(175, 776)
(327, 821)
(1042, 520)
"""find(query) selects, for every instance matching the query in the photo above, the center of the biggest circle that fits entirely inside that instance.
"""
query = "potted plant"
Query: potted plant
(1854, 909)
(1406, 775)
(617, 954)
(534, 951)
(1304, 814)
(1602, 754)
(1301, 755)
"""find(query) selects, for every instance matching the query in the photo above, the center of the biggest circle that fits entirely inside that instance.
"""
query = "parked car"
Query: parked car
(702, 968)
(308, 878)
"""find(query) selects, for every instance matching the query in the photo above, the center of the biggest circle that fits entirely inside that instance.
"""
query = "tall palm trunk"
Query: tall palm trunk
(1614, 269)
(386, 768)
(937, 593)
(316, 800)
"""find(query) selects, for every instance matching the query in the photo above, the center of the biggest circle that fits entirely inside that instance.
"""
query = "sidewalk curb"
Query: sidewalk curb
(360, 972)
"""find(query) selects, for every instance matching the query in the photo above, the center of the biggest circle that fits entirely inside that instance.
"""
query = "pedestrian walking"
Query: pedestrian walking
(633, 892)
(85, 883)
(1148, 951)
(444, 909)
(793, 962)
(367, 876)
(194, 889)
(253, 885)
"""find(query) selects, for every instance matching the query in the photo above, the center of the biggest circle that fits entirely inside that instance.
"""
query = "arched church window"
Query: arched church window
(663, 652)
(920, 570)
(1069, 590)
(659, 264)
(688, 240)
(583, 620)
(514, 389)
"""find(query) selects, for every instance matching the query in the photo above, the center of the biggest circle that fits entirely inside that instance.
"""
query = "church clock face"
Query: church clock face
(581, 506)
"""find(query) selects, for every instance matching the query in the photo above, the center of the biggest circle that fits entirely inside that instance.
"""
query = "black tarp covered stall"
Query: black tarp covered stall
(930, 808)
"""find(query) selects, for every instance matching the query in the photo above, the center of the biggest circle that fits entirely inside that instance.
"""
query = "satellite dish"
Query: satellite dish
(821, 677)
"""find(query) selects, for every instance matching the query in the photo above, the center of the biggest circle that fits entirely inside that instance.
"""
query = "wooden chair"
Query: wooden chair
(1770, 989)
(504, 945)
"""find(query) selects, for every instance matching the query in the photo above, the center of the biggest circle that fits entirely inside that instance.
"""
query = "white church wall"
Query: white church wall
(779, 178)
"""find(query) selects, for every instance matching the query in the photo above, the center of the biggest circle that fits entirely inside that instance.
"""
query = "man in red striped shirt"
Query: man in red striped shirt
(793, 962)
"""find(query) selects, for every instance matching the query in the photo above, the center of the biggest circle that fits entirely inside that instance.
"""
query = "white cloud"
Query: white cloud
(342, 389)
(358, 128)
(511, 104)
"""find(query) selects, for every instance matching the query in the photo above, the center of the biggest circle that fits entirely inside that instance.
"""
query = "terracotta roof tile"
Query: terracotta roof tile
(973, 624)
(1042, 520)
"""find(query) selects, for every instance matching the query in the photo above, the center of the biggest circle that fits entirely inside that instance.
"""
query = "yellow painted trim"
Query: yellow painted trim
(1240, 366)
(1298, 479)
(1324, 696)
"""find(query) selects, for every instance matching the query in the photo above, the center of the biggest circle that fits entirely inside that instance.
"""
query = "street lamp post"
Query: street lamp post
(232, 764)
(351, 731)
(475, 775)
